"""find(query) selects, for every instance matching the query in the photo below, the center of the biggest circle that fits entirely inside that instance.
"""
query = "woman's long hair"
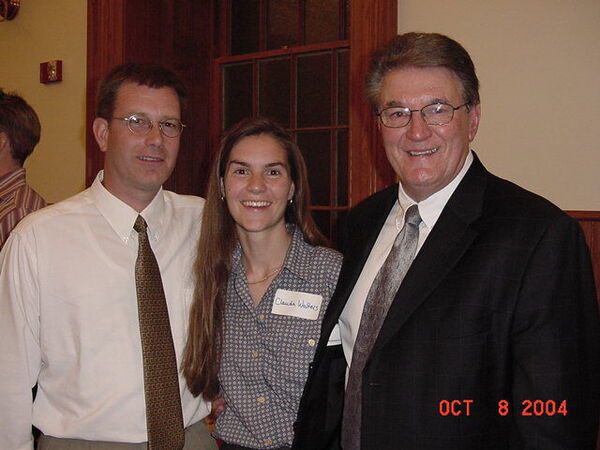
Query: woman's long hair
(202, 356)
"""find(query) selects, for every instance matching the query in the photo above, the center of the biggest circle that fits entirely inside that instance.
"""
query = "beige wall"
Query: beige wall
(538, 63)
(45, 30)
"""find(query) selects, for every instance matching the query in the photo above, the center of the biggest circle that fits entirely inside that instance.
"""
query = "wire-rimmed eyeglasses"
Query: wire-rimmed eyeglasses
(141, 125)
(434, 114)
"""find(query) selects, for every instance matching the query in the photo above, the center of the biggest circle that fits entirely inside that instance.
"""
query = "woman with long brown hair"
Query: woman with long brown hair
(264, 279)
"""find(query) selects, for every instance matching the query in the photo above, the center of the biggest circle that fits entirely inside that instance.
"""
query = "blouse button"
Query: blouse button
(261, 399)
(311, 342)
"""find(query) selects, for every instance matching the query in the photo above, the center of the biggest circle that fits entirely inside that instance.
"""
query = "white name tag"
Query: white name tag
(297, 304)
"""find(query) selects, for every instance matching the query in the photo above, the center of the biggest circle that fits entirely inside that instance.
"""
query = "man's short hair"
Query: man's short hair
(151, 75)
(423, 50)
(20, 123)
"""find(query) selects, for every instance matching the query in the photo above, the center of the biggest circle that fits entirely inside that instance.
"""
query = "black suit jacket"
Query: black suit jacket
(498, 305)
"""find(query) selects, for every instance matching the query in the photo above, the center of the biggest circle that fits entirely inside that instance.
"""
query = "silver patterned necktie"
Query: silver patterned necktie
(380, 297)
(164, 418)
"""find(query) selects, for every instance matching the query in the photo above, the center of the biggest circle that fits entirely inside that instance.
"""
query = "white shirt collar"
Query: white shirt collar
(121, 216)
(431, 208)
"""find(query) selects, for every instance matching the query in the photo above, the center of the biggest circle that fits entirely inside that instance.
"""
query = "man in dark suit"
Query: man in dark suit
(492, 339)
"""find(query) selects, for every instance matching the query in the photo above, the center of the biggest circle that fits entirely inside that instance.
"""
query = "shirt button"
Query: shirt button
(311, 342)
(268, 441)
(260, 317)
(261, 399)
(254, 353)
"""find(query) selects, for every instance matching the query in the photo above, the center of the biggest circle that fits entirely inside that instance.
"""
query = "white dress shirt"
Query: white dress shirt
(69, 318)
(430, 210)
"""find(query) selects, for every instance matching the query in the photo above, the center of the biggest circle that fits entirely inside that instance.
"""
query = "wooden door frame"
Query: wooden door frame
(372, 23)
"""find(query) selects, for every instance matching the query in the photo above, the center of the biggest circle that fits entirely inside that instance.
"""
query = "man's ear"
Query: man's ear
(474, 117)
(100, 129)
(4, 142)
(7, 160)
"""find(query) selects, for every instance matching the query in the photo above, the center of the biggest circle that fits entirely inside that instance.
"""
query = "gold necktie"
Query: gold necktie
(164, 418)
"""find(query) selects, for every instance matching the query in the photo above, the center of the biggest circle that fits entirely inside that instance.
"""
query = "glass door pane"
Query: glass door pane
(316, 149)
(343, 78)
(282, 24)
(321, 21)
(237, 92)
(342, 168)
(244, 31)
(274, 89)
(314, 90)
(323, 220)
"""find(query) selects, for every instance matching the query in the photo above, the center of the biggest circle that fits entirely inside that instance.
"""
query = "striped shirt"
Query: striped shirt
(17, 200)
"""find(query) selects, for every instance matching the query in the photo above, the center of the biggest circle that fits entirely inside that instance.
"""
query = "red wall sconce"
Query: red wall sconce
(9, 9)
(51, 71)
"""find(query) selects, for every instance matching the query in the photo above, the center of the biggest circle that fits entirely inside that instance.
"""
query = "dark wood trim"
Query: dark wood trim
(590, 223)
(104, 49)
(284, 51)
(588, 216)
(300, 31)
(223, 43)
(333, 104)
(262, 24)
(372, 23)
(330, 208)
(180, 35)
(216, 102)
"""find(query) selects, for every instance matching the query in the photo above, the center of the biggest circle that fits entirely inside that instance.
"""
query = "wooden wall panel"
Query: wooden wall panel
(178, 35)
(190, 53)
(372, 23)
(590, 223)
(104, 50)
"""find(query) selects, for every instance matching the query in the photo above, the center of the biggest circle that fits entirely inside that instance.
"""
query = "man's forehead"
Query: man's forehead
(129, 86)
(135, 94)
(426, 100)
(424, 85)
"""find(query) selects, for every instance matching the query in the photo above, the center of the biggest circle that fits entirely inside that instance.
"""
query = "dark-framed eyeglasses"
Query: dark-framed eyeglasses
(434, 114)
(141, 125)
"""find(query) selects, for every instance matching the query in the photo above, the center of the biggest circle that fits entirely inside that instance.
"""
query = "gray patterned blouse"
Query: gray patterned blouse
(268, 347)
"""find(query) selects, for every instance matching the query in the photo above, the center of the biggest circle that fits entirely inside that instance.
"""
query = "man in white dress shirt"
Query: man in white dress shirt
(68, 305)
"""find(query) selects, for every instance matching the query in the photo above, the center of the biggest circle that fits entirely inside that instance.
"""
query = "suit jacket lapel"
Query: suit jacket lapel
(357, 250)
(450, 238)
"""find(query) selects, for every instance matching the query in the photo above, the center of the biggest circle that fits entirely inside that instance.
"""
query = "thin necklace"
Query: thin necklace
(269, 275)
